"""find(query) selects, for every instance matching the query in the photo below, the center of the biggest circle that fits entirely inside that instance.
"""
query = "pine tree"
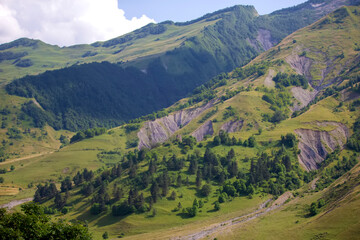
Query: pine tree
(154, 190)
(233, 169)
(195, 203)
(118, 194)
(173, 195)
(198, 179)
(66, 184)
(37, 196)
(140, 201)
(222, 178)
(165, 184)
(118, 170)
(231, 155)
(193, 167)
(178, 181)
(152, 168)
(187, 182)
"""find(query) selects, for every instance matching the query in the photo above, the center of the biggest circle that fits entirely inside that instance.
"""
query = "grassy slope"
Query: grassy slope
(83, 154)
(50, 57)
(38, 141)
(324, 42)
(339, 220)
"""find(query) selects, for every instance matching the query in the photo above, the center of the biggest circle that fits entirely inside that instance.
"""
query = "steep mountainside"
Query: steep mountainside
(243, 147)
(25, 56)
(193, 53)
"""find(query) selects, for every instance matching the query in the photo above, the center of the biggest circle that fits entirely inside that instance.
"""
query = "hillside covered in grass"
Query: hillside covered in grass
(142, 75)
(276, 140)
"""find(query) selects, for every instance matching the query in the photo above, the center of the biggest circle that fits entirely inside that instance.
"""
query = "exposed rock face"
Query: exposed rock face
(162, 129)
(205, 129)
(233, 126)
(316, 145)
(304, 96)
(300, 64)
(269, 82)
(263, 41)
(329, 7)
(264, 37)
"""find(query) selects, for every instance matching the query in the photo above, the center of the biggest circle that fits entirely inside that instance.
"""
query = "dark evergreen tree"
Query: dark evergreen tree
(178, 181)
(193, 167)
(198, 179)
(66, 185)
(233, 169)
(154, 190)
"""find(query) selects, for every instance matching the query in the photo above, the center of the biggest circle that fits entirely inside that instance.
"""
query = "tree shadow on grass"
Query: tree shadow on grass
(183, 215)
(108, 219)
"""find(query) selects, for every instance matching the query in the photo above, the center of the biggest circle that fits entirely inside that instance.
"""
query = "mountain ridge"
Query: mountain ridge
(226, 149)
(218, 46)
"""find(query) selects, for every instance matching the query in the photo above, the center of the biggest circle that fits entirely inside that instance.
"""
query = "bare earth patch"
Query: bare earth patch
(316, 145)
(202, 131)
(233, 126)
(15, 203)
(303, 96)
(269, 79)
(162, 129)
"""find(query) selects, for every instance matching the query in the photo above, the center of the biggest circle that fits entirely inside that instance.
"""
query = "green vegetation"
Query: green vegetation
(285, 80)
(34, 224)
(333, 173)
(88, 133)
(354, 141)
(98, 94)
(101, 94)
(280, 101)
(252, 156)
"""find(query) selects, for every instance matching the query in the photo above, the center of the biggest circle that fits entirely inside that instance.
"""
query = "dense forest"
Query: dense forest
(99, 94)
(106, 95)
(137, 189)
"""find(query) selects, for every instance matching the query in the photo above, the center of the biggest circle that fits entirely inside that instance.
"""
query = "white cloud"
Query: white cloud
(65, 22)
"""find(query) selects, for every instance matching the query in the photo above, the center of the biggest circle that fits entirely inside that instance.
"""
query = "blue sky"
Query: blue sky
(66, 22)
(186, 10)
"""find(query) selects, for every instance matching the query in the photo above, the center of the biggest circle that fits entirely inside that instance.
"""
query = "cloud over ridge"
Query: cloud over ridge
(65, 22)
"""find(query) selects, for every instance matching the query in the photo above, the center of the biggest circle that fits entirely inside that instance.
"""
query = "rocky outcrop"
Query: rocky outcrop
(264, 38)
(201, 132)
(160, 130)
(233, 126)
(303, 96)
(269, 82)
(301, 64)
(325, 8)
(316, 145)
(263, 41)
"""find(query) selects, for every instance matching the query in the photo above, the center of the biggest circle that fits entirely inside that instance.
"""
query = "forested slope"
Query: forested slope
(155, 80)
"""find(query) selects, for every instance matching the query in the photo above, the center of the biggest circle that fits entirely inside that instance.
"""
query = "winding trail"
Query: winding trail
(26, 157)
(15, 203)
(262, 210)
(313, 183)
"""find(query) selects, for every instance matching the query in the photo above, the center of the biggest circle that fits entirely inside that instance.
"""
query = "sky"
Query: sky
(69, 22)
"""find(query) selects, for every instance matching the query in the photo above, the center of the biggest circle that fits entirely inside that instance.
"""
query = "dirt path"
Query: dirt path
(313, 183)
(15, 203)
(213, 229)
(24, 158)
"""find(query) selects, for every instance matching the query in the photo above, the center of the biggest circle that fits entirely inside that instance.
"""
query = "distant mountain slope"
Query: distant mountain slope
(241, 27)
(240, 140)
(312, 52)
(175, 58)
